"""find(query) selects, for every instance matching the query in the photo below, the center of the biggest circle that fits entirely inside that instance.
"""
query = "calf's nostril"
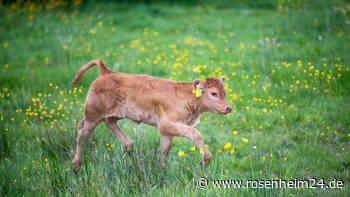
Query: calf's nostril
(228, 109)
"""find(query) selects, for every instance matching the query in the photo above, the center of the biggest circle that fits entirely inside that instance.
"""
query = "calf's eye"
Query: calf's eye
(214, 94)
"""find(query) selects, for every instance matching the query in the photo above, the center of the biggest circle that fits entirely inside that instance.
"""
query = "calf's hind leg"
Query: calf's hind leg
(85, 129)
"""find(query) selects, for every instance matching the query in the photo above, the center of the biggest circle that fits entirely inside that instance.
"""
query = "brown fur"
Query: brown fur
(168, 105)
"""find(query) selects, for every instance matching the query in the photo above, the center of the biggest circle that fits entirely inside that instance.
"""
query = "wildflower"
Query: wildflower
(234, 132)
(6, 45)
(197, 92)
(241, 46)
(227, 145)
(181, 153)
(193, 148)
(232, 151)
(245, 140)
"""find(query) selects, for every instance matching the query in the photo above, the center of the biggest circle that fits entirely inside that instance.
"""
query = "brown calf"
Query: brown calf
(170, 106)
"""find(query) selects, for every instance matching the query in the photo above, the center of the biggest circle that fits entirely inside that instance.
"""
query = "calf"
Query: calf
(170, 106)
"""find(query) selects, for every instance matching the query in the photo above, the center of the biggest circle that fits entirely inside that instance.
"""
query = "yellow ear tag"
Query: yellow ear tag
(197, 91)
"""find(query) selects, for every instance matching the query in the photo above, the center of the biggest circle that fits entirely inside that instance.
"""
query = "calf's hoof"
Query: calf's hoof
(76, 167)
(129, 147)
(162, 165)
(207, 158)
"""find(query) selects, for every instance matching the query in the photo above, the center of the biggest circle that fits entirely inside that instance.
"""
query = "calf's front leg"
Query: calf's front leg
(165, 143)
(115, 129)
(168, 128)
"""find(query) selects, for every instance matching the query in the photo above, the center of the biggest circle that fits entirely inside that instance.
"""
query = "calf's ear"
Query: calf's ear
(198, 83)
(222, 79)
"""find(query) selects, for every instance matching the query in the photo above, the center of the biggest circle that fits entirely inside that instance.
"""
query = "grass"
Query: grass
(287, 66)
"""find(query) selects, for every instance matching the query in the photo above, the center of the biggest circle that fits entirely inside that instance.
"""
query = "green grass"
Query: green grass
(287, 66)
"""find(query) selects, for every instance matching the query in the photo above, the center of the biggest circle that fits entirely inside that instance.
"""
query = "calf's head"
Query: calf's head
(213, 98)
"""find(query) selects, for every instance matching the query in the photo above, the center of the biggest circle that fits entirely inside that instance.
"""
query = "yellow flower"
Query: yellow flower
(241, 45)
(284, 158)
(6, 45)
(263, 158)
(349, 134)
(197, 92)
(265, 110)
(201, 151)
(181, 153)
(245, 140)
(232, 151)
(234, 132)
(100, 23)
(227, 145)
(193, 148)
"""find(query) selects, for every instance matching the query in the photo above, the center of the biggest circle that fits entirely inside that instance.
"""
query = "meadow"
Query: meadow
(288, 79)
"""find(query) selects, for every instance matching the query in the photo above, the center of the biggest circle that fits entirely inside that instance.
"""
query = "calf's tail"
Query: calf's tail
(83, 69)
